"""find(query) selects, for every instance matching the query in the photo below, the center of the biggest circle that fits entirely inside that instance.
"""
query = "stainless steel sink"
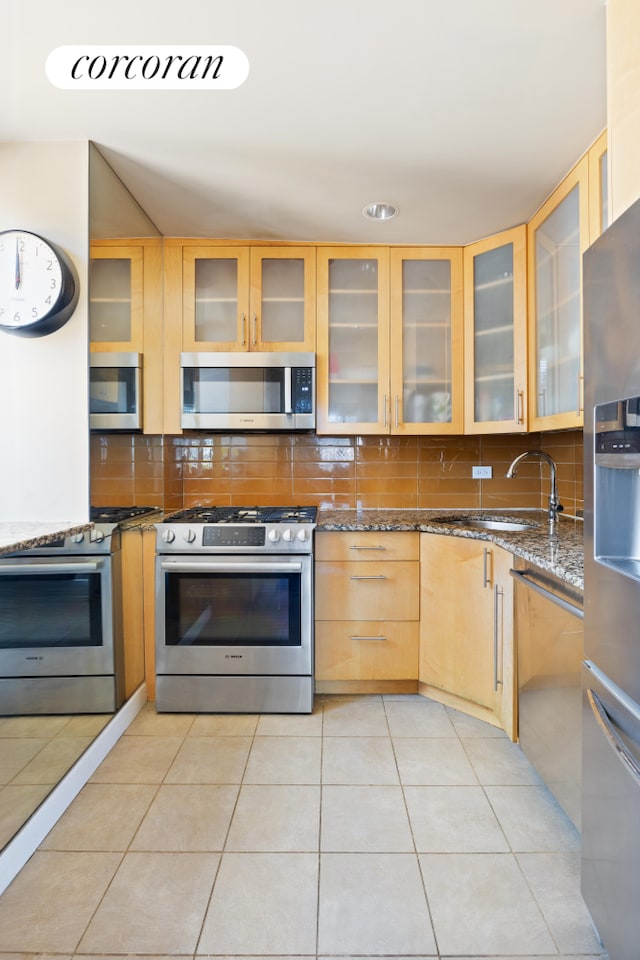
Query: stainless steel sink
(485, 523)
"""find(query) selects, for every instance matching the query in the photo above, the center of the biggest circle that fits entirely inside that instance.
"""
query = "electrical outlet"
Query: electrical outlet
(481, 473)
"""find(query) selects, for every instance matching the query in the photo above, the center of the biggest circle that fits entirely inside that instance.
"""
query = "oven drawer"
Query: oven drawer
(371, 545)
(368, 590)
(367, 650)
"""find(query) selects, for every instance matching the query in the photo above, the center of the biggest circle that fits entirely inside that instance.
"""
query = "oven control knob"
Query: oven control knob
(96, 536)
(168, 536)
(190, 536)
(288, 535)
(273, 536)
(303, 535)
(77, 538)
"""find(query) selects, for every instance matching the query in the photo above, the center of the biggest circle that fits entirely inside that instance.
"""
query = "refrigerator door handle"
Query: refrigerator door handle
(612, 737)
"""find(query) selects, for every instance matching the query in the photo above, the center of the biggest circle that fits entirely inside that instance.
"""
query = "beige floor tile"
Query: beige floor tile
(138, 760)
(555, 881)
(480, 904)
(43, 728)
(85, 726)
(276, 818)
(372, 904)
(364, 819)
(263, 903)
(150, 723)
(500, 762)
(104, 816)
(453, 820)
(155, 904)
(284, 760)
(413, 719)
(291, 725)
(224, 725)
(16, 805)
(355, 717)
(210, 760)
(532, 819)
(467, 726)
(358, 760)
(53, 761)
(187, 817)
(53, 898)
(15, 754)
(433, 761)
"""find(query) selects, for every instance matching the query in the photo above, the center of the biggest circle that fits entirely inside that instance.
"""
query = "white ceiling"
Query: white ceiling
(465, 114)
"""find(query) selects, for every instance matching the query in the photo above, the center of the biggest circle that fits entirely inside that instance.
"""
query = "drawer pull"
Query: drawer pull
(367, 638)
(355, 546)
(379, 576)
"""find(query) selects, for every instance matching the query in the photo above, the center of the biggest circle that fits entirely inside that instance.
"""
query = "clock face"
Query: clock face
(38, 290)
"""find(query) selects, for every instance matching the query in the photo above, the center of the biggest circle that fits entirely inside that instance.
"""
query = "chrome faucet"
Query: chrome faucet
(554, 504)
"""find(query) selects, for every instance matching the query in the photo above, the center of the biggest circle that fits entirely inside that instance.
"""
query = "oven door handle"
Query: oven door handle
(242, 566)
(49, 567)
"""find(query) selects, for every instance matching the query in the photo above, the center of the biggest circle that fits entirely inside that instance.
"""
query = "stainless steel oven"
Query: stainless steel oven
(61, 624)
(234, 610)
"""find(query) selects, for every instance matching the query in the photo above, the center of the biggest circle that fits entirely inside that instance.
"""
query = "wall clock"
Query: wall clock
(38, 284)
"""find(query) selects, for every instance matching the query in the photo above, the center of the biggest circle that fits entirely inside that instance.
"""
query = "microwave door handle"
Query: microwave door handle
(288, 405)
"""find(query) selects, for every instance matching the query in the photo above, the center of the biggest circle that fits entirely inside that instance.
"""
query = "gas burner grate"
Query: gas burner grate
(117, 514)
(245, 515)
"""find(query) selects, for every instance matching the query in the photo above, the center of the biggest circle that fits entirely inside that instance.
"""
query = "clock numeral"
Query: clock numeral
(21, 246)
(53, 284)
(49, 264)
(48, 299)
(1, 311)
(34, 312)
(17, 318)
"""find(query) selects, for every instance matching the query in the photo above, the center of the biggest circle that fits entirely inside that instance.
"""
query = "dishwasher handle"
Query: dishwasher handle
(559, 601)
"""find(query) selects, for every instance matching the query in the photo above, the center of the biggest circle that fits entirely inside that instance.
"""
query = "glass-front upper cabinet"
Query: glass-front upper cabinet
(558, 235)
(496, 333)
(116, 301)
(426, 387)
(353, 340)
(241, 298)
(598, 187)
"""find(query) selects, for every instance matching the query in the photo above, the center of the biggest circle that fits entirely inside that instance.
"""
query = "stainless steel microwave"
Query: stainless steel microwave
(248, 391)
(115, 391)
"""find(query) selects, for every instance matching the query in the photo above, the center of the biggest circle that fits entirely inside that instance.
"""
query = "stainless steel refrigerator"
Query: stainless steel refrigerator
(611, 672)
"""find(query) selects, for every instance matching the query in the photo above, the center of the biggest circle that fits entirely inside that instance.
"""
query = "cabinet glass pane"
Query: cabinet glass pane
(353, 341)
(558, 308)
(493, 340)
(426, 341)
(216, 313)
(110, 301)
(282, 307)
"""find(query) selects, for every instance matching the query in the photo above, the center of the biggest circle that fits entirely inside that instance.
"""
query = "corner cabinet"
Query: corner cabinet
(466, 627)
(558, 235)
(496, 333)
(248, 298)
(389, 340)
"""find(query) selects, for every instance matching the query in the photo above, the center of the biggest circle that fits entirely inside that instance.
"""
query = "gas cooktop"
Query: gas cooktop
(117, 514)
(244, 515)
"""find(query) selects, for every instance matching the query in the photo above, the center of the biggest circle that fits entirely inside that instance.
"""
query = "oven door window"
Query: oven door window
(50, 611)
(233, 609)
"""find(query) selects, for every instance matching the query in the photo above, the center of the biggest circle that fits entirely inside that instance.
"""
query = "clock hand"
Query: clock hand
(18, 277)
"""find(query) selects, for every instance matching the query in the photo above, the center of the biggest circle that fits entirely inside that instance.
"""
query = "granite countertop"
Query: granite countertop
(25, 535)
(561, 554)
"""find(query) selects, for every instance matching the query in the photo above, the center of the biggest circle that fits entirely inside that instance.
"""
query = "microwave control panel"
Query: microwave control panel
(302, 389)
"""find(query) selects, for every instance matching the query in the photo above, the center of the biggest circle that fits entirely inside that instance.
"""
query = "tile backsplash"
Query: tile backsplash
(354, 471)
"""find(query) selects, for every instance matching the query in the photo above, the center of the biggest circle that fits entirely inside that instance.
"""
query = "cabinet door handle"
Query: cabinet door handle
(244, 329)
(384, 408)
(379, 576)
(486, 579)
(397, 404)
(355, 546)
(497, 594)
(580, 409)
(519, 407)
(255, 329)
(368, 638)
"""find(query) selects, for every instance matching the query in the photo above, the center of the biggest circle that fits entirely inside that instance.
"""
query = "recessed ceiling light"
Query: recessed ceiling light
(379, 211)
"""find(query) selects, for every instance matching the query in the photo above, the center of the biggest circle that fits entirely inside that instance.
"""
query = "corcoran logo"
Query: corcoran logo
(147, 67)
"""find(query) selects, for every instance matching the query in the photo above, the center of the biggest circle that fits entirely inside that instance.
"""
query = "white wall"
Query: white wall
(44, 417)
(623, 103)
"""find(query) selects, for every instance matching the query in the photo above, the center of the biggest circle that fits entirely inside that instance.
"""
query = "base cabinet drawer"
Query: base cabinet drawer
(367, 545)
(369, 590)
(367, 650)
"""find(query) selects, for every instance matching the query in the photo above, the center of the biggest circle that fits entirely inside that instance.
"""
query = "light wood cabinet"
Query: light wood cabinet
(599, 215)
(367, 600)
(248, 298)
(558, 235)
(390, 340)
(125, 312)
(466, 628)
(495, 318)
